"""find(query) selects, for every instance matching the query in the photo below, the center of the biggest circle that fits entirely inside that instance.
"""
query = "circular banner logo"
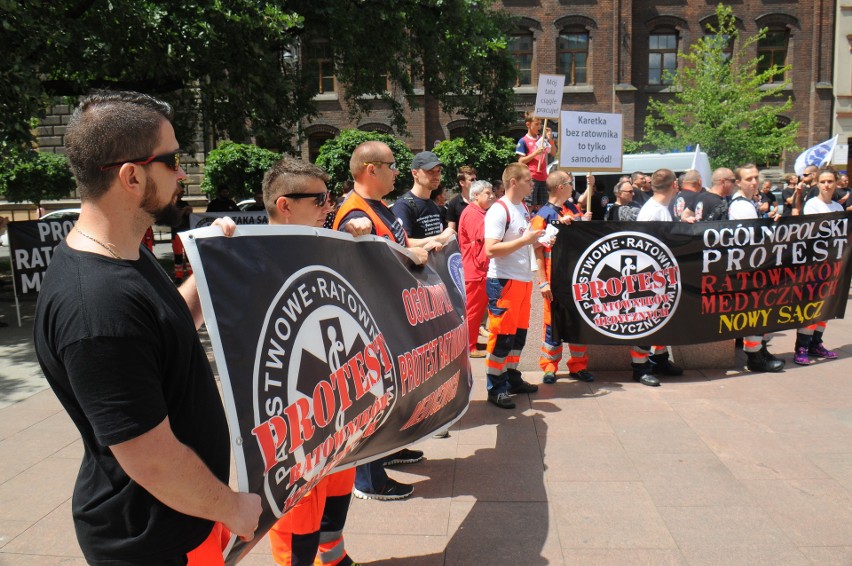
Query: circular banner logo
(627, 285)
(324, 379)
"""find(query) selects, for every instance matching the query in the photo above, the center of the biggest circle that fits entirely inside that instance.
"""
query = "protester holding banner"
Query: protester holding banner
(295, 193)
(742, 208)
(119, 346)
(556, 211)
(508, 238)
(373, 167)
(532, 151)
(646, 361)
(809, 339)
(419, 214)
(474, 260)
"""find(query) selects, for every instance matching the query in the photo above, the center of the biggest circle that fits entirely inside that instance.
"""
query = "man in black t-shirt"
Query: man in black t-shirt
(768, 203)
(682, 206)
(223, 202)
(712, 204)
(118, 344)
(465, 178)
(418, 212)
(788, 195)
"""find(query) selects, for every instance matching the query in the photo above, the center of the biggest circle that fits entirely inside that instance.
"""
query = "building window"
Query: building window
(727, 43)
(321, 65)
(572, 52)
(521, 50)
(772, 50)
(662, 57)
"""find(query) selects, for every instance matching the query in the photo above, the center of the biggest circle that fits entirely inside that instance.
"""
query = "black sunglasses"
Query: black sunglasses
(171, 160)
(320, 198)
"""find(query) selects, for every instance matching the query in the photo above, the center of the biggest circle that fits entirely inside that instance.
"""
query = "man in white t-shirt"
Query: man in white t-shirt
(508, 241)
(742, 208)
(644, 363)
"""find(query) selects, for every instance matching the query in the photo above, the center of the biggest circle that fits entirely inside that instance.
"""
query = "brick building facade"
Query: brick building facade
(613, 53)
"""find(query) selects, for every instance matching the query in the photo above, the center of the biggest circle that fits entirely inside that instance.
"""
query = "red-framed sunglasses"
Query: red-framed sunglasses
(171, 160)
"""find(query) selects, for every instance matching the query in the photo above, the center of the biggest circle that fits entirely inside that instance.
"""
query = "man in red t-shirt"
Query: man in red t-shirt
(472, 244)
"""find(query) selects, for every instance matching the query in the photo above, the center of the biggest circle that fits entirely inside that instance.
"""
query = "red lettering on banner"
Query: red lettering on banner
(615, 286)
(361, 372)
(434, 402)
(270, 437)
(425, 302)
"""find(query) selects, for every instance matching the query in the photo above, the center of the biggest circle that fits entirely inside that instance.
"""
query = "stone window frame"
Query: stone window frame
(665, 25)
(532, 28)
(784, 23)
(577, 24)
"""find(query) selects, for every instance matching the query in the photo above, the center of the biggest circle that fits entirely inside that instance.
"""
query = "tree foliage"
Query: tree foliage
(33, 176)
(334, 158)
(237, 167)
(489, 156)
(723, 102)
(236, 64)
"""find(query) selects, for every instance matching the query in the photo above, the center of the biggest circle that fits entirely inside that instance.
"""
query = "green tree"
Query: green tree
(244, 66)
(489, 156)
(334, 158)
(723, 102)
(237, 167)
(34, 176)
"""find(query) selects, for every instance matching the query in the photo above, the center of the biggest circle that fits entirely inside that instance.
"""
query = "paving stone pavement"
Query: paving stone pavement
(715, 467)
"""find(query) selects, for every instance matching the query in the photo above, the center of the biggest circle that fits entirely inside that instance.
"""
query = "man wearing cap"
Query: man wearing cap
(418, 213)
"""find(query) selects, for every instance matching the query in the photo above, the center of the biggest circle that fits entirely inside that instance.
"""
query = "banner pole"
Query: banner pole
(543, 141)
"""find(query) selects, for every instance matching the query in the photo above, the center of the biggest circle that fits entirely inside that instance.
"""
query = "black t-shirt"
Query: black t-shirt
(640, 197)
(384, 213)
(767, 198)
(623, 212)
(710, 206)
(119, 348)
(787, 193)
(455, 208)
(222, 205)
(420, 216)
(599, 201)
(685, 200)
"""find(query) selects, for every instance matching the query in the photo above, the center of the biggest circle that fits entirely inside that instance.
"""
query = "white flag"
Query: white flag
(818, 155)
(701, 163)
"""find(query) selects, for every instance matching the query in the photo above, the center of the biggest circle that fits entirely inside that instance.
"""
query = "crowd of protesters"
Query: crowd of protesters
(153, 486)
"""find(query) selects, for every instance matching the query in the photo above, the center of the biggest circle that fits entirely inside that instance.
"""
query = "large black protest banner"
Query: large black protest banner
(677, 283)
(31, 246)
(331, 351)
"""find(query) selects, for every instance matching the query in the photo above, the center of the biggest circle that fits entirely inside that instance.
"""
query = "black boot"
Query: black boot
(662, 365)
(644, 374)
(517, 383)
(762, 360)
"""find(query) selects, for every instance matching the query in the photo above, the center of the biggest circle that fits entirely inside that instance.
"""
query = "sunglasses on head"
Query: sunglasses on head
(171, 160)
(319, 198)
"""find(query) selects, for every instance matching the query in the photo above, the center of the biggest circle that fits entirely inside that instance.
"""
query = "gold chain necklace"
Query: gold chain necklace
(108, 246)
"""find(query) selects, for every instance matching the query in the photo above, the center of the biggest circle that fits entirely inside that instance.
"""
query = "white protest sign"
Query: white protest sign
(591, 141)
(548, 99)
